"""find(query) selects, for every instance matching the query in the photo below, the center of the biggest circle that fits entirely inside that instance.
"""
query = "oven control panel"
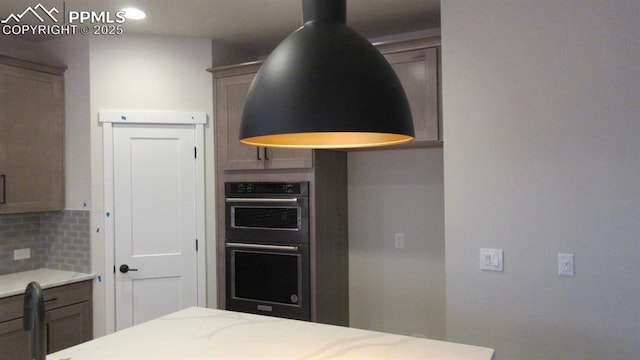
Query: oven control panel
(266, 188)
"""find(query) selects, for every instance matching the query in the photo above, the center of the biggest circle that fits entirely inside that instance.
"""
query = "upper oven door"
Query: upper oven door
(268, 219)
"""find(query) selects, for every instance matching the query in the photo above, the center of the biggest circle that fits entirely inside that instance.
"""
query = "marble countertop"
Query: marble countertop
(16, 283)
(200, 333)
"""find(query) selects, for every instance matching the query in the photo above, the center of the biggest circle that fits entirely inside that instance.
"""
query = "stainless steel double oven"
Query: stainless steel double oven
(267, 248)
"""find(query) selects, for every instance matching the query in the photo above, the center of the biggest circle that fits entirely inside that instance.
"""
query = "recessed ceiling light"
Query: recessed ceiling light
(134, 14)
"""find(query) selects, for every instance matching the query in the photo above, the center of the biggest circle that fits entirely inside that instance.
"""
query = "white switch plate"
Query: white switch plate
(21, 254)
(398, 240)
(566, 265)
(491, 259)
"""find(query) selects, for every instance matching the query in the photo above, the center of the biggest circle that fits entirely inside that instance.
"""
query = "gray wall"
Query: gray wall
(542, 156)
(397, 290)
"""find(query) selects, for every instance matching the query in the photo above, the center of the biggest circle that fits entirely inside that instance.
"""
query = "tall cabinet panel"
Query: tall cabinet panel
(31, 137)
(326, 173)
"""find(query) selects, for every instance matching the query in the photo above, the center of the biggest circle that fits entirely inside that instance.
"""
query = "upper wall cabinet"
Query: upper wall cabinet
(31, 137)
(231, 85)
(416, 62)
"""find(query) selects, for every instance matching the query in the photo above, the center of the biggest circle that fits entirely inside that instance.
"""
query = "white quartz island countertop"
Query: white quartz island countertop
(200, 333)
(16, 283)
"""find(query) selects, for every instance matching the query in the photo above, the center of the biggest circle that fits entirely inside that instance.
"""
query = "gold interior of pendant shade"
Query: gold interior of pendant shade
(327, 140)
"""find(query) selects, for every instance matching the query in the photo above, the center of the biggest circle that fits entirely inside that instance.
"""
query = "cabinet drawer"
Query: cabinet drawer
(66, 295)
(12, 307)
(15, 343)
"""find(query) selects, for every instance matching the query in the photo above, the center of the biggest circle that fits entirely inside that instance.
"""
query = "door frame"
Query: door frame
(109, 117)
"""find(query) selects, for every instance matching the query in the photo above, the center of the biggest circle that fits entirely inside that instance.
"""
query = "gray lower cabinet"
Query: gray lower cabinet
(69, 319)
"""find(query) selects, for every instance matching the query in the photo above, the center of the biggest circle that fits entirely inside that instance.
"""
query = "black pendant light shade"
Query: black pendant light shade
(325, 86)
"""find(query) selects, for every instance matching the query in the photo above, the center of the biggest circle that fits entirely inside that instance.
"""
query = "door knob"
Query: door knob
(124, 268)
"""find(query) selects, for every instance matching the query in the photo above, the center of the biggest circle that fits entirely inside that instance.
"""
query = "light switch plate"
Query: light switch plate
(491, 259)
(566, 265)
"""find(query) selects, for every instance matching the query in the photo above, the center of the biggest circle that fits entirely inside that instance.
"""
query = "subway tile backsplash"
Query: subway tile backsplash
(58, 240)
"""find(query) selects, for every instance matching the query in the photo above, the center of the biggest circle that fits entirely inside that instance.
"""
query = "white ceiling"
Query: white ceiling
(256, 25)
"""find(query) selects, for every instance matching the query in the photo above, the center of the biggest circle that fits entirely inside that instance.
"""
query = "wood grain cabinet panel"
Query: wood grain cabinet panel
(68, 326)
(31, 137)
(68, 317)
(231, 85)
(417, 65)
(15, 343)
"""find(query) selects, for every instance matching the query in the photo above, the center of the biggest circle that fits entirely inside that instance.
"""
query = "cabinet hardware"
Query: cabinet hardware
(258, 153)
(263, 247)
(260, 200)
(266, 154)
(4, 189)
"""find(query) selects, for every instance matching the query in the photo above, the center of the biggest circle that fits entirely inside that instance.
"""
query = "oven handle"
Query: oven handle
(261, 200)
(262, 247)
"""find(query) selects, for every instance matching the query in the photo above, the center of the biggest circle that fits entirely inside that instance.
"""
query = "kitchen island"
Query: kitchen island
(200, 333)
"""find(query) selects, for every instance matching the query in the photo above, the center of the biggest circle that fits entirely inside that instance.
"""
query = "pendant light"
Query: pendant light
(325, 86)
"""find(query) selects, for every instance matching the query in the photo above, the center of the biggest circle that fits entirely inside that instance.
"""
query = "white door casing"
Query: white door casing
(154, 214)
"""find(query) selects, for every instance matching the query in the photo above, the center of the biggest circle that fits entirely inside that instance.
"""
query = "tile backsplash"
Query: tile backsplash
(57, 240)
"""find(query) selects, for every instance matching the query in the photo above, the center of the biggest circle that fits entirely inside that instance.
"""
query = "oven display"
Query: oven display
(265, 217)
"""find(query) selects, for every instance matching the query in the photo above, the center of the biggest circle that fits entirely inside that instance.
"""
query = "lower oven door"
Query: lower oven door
(268, 279)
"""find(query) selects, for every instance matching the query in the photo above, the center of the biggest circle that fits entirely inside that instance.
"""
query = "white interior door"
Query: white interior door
(155, 214)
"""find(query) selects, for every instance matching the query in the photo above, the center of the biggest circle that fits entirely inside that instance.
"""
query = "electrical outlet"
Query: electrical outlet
(21, 254)
(565, 265)
(398, 240)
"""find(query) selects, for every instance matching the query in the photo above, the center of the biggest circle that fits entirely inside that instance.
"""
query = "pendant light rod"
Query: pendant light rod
(324, 11)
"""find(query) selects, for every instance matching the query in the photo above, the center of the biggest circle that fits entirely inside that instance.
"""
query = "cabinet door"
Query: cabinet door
(15, 343)
(277, 158)
(418, 73)
(231, 94)
(31, 141)
(68, 326)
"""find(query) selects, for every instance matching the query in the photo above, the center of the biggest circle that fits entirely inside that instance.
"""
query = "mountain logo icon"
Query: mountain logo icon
(39, 12)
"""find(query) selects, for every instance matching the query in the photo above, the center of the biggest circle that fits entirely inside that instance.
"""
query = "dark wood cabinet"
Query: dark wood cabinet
(31, 136)
(15, 343)
(68, 326)
(68, 316)
(231, 85)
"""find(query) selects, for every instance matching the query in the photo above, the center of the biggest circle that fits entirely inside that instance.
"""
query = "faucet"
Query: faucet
(33, 319)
